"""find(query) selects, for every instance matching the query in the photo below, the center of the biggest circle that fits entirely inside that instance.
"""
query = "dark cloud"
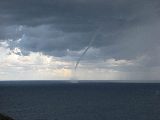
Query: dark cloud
(73, 12)
(128, 28)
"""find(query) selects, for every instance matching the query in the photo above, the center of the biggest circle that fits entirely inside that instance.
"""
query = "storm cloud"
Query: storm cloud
(129, 29)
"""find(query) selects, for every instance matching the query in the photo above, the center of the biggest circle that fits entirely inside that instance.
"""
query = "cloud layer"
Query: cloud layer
(129, 31)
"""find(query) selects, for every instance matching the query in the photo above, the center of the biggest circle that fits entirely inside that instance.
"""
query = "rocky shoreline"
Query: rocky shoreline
(5, 117)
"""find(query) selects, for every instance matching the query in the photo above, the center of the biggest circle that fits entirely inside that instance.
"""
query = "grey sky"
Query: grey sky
(129, 30)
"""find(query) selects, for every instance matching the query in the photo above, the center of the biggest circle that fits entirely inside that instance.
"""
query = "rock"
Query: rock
(4, 117)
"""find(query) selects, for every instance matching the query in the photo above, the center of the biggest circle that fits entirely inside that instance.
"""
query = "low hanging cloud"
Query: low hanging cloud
(32, 66)
(63, 29)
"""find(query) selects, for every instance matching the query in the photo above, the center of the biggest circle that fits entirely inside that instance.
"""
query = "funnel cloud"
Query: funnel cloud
(43, 39)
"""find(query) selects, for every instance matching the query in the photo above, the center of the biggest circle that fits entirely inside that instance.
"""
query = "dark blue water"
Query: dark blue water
(81, 101)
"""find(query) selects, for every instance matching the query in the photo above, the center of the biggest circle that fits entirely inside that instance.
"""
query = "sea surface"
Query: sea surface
(80, 100)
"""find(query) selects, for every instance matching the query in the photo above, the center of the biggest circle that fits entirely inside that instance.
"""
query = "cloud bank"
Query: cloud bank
(129, 37)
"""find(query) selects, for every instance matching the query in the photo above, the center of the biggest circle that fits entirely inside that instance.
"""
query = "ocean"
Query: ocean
(80, 100)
